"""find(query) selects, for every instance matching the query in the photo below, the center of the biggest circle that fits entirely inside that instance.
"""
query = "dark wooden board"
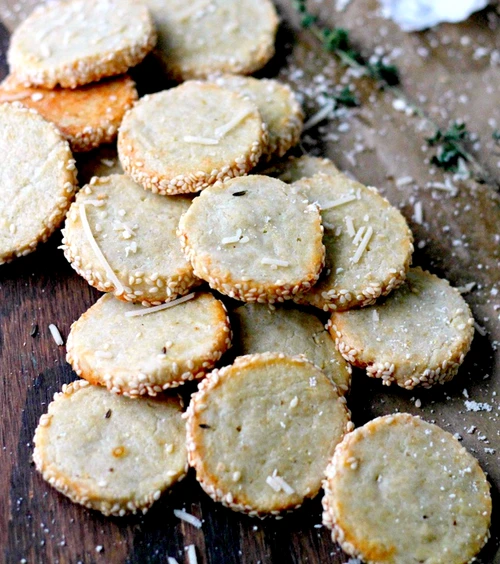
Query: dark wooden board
(39, 525)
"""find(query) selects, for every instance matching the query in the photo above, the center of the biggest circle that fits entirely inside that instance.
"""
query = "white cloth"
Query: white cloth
(415, 15)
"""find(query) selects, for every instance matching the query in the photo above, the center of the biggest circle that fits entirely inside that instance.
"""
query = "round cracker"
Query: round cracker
(425, 499)
(258, 329)
(251, 241)
(261, 431)
(74, 42)
(135, 351)
(293, 168)
(278, 106)
(136, 232)
(108, 452)
(417, 336)
(184, 139)
(203, 37)
(87, 116)
(353, 277)
(38, 180)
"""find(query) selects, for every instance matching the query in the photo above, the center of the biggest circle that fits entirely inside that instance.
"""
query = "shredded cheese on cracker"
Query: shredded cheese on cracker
(339, 202)
(362, 246)
(148, 310)
(275, 262)
(97, 251)
(226, 128)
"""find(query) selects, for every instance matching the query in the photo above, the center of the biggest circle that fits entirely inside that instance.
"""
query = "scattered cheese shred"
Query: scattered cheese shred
(339, 202)
(191, 554)
(185, 516)
(362, 247)
(226, 128)
(274, 262)
(320, 115)
(97, 251)
(232, 239)
(350, 226)
(418, 215)
(171, 560)
(285, 486)
(56, 335)
(271, 481)
(279, 484)
(359, 235)
(147, 310)
(480, 329)
(104, 354)
(466, 288)
(200, 140)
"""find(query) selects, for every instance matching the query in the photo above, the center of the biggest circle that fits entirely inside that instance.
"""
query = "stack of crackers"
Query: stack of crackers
(206, 237)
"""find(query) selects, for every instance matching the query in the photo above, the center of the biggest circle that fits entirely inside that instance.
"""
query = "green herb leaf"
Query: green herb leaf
(346, 98)
(450, 150)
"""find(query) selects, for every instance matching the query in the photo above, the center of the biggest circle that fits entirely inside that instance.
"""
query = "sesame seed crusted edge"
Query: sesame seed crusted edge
(424, 376)
(197, 404)
(149, 290)
(248, 290)
(342, 299)
(86, 70)
(330, 518)
(60, 483)
(278, 146)
(153, 384)
(170, 185)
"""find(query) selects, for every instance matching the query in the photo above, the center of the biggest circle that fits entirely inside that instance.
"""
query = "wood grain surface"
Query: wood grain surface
(377, 144)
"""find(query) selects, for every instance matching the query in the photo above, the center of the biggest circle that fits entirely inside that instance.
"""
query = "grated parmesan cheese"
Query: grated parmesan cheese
(285, 486)
(271, 481)
(200, 140)
(480, 329)
(56, 335)
(404, 181)
(104, 354)
(320, 115)
(97, 251)
(147, 310)
(362, 247)
(191, 554)
(279, 484)
(350, 226)
(187, 517)
(359, 235)
(232, 239)
(466, 288)
(339, 202)
(418, 213)
(275, 262)
(226, 128)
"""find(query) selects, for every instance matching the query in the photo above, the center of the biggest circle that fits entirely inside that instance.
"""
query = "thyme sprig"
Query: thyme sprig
(450, 147)
(452, 154)
(346, 98)
(336, 40)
